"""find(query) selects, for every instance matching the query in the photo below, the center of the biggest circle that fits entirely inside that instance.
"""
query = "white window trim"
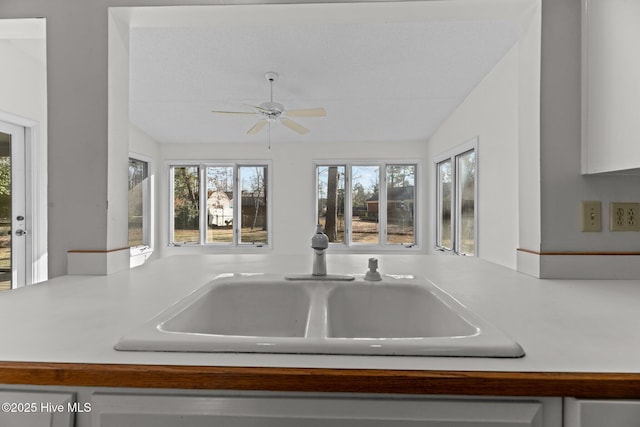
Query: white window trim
(452, 155)
(348, 245)
(222, 247)
(148, 203)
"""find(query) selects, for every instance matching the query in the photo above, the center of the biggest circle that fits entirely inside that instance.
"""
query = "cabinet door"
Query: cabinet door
(598, 413)
(36, 409)
(611, 95)
(109, 410)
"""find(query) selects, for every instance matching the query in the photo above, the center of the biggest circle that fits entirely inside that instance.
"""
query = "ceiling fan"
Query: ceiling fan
(271, 112)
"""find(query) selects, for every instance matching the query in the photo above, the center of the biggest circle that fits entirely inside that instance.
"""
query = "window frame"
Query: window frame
(382, 245)
(453, 156)
(148, 241)
(202, 165)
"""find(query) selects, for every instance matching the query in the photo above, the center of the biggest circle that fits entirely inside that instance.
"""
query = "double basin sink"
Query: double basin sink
(265, 313)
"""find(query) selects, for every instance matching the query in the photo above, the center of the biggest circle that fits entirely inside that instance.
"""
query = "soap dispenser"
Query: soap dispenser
(373, 274)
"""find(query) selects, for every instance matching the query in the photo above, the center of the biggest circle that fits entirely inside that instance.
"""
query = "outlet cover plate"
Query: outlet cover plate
(591, 216)
(624, 216)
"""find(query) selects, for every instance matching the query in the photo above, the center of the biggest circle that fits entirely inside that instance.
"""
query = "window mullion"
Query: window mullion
(382, 204)
(456, 205)
(348, 206)
(171, 205)
(202, 180)
(237, 199)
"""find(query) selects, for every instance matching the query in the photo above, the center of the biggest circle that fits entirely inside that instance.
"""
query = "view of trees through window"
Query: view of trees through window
(5, 215)
(466, 211)
(331, 194)
(444, 206)
(186, 204)
(456, 204)
(369, 206)
(138, 179)
(253, 187)
(401, 181)
(225, 186)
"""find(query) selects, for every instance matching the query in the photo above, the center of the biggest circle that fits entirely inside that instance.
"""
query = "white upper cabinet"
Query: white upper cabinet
(610, 85)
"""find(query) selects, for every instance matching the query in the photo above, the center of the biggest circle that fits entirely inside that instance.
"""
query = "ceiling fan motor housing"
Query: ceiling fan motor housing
(271, 110)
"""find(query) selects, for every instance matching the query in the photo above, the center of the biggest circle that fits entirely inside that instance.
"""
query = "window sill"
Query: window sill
(337, 247)
(138, 255)
(225, 249)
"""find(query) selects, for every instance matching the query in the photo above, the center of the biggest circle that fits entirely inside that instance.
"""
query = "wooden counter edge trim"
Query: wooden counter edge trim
(581, 385)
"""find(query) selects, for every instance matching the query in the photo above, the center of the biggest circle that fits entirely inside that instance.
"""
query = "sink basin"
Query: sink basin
(265, 313)
(400, 311)
(245, 309)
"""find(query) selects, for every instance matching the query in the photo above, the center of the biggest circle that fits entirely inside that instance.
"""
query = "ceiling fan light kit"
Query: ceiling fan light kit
(271, 112)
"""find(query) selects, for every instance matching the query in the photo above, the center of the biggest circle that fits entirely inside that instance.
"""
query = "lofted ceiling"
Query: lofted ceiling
(383, 71)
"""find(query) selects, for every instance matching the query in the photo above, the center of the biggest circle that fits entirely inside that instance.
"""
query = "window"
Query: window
(456, 203)
(368, 204)
(219, 204)
(139, 212)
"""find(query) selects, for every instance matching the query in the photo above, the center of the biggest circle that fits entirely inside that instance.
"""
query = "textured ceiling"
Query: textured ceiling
(378, 81)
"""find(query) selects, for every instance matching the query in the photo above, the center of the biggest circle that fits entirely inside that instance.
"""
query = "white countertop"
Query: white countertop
(563, 325)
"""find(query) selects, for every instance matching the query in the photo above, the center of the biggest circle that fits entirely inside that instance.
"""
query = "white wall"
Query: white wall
(293, 186)
(23, 75)
(490, 113)
(23, 101)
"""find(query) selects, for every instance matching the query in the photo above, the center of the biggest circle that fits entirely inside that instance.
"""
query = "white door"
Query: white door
(13, 220)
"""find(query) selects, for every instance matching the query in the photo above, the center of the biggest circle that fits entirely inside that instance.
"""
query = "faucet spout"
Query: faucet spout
(319, 244)
(319, 263)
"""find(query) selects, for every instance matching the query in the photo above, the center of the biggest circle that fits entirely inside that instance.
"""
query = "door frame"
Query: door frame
(36, 253)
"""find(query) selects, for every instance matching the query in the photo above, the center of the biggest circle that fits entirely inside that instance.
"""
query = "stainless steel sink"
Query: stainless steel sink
(400, 315)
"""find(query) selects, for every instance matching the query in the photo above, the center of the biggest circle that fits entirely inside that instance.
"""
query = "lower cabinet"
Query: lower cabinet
(158, 410)
(598, 413)
(37, 409)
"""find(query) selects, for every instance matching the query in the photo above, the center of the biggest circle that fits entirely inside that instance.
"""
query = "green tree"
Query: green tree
(186, 197)
(5, 187)
(359, 195)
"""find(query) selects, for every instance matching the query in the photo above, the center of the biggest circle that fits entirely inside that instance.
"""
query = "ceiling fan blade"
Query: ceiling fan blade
(257, 107)
(307, 112)
(233, 112)
(294, 126)
(257, 127)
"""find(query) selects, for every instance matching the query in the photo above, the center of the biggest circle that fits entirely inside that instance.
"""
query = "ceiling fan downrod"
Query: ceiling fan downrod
(271, 110)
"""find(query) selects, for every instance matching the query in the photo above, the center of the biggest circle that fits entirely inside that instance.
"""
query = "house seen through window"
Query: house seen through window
(367, 204)
(219, 204)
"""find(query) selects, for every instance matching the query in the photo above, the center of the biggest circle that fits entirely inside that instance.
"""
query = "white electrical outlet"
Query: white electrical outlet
(624, 216)
(591, 215)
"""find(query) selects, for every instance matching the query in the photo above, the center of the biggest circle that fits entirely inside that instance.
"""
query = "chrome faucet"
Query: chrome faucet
(319, 244)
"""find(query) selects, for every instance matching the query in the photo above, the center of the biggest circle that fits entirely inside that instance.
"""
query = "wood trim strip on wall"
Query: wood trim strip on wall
(581, 385)
(96, 251)
(612, 253)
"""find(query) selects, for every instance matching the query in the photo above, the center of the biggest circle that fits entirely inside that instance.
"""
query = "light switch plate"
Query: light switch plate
(624, 216)
(591, 216)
